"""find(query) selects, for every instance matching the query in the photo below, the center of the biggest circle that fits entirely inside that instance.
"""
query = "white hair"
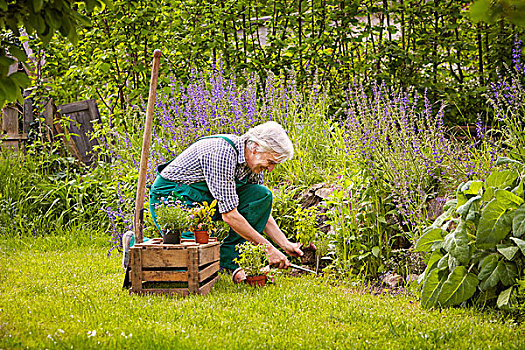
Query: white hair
(270, 137)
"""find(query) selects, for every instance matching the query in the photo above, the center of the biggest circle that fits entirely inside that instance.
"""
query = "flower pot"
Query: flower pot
(171, 237)
(201, 237)
(256, 281)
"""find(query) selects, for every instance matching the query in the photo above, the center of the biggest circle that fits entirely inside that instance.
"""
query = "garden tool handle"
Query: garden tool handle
(146, 141)
(302, 268)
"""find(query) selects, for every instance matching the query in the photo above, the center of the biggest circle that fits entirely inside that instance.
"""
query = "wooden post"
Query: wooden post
(10, 127)
(141, 186)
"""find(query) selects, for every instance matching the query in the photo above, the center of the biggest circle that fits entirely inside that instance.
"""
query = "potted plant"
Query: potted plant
(306, 232)
(253, 259)
(174, 218)
(201, 221)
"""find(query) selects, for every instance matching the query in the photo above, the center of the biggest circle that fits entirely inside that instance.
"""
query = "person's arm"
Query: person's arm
(274, 232)
(240, 225)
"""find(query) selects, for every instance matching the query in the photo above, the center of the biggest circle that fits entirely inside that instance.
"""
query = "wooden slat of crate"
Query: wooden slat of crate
(207, 287)
(170, 291)
(162, 276)
(209, 253)
(193, 269)
(164, 258)
(208, 271)
(136, 270)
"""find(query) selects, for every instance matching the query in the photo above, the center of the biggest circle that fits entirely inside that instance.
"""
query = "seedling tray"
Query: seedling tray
(178, 269)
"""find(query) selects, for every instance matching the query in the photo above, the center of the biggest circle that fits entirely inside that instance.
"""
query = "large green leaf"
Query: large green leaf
(507, 250)
(472, 187)
(457, 243)
(432, 287)
(432, 261)
(508, 197)
(459, 287)
(518, 223)
(505, 271)
(495, 222)
(468, 206)
(498, 180)
(504, 298)
(488, 275)
(520, 243)
(501, 179)
(426, 241)
(461, 198)
(506, 160)
(508, 272)
(443, 262)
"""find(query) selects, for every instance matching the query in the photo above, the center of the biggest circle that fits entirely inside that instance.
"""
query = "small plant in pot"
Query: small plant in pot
(173, 218)
(253, 259)
(201, 221)
(306, 232)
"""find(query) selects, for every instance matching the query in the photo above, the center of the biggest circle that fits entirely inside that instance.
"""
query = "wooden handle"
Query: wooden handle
(146, 142)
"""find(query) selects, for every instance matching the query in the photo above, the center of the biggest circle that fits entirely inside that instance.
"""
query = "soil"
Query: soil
(309, 256)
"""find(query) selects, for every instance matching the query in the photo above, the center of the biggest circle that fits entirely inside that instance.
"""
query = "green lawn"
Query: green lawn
(63, 293)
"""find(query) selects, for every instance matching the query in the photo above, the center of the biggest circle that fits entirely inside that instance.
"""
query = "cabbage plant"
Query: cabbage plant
(477, 246)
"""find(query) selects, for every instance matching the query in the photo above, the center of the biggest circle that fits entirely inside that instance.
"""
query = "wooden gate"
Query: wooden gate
(80, 118)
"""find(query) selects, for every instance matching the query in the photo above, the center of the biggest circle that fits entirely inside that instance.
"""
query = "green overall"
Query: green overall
(255, 205)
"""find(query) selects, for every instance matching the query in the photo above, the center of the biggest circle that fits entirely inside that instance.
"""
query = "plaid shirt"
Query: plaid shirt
(215, 161)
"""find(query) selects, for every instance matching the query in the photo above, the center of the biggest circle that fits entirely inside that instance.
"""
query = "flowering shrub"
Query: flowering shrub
(201, 216)
(404, 144)
(173, 216)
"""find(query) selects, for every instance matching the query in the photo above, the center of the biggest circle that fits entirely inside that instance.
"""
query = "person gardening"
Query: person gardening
(229, 168)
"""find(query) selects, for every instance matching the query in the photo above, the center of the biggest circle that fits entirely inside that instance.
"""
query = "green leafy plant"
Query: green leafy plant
(201, 218)
(477, 247)
(306, 230)
(252, 258)
(173, 215)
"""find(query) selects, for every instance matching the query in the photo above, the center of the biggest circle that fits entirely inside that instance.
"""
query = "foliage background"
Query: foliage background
(432, 45)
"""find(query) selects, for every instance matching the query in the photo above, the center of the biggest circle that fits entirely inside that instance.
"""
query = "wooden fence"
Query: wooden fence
(73, 123)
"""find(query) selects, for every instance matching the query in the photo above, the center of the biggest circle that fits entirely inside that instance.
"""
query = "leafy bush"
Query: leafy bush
(39, 195)
(476, 246)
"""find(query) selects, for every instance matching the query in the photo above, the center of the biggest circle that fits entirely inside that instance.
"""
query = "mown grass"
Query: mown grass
(63, 293)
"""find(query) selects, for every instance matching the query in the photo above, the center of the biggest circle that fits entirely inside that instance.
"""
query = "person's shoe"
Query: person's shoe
(126, 240)
(238, 275)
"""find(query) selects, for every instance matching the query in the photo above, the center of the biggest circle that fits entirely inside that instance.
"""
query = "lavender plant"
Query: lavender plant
(506, 98)
(402, 142)
(213, 103)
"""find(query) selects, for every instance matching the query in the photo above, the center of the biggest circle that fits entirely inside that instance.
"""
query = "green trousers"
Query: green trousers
(255, 205)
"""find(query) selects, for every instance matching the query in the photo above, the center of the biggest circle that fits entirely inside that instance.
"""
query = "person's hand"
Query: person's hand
(293, 249)
(276, 258)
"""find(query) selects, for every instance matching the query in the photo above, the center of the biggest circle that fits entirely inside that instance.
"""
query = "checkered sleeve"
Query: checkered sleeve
(218, 167)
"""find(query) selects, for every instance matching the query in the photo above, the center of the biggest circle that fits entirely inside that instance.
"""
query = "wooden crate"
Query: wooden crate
(178, 269)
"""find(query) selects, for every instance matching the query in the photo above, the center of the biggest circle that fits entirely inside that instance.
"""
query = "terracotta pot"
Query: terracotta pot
(256, 281)
(171, 237)
(202, 237)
